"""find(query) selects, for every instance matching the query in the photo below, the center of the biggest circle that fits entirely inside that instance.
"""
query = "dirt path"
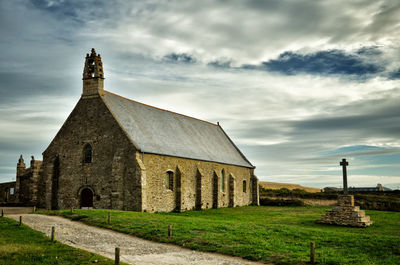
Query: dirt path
(133, 250)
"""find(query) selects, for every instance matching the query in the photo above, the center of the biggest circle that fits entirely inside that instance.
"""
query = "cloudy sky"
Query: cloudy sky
(298, 85)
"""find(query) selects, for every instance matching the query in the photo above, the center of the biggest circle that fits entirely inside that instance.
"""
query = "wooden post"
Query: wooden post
(34, 208)
(2, 213)
(53, 231)
(109, 219)
(169, 230)
(72, 210)
(116, 256)
(312, 253)
(20, 220)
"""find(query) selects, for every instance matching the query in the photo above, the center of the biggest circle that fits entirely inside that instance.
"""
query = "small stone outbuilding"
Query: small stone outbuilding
(117, 153)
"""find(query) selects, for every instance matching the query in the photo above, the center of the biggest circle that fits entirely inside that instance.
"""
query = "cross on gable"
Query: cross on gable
(344, 162)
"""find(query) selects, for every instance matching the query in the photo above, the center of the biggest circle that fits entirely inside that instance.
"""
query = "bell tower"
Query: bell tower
(93, 76)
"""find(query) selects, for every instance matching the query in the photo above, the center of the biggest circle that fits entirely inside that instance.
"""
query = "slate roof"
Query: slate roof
(158, 131)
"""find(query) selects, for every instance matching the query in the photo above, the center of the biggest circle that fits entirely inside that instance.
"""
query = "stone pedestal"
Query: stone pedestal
(346, 214)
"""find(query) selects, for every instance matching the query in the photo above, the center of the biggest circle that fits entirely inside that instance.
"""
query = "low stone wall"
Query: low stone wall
(16, 210)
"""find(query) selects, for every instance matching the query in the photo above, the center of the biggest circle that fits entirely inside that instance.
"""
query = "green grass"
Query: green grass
(271, 234)
(22, 245)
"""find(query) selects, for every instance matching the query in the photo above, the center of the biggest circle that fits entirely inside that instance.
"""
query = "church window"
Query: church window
(88, 154)
(11, 191)
(222, 181)
(244, 186)
(169, 184)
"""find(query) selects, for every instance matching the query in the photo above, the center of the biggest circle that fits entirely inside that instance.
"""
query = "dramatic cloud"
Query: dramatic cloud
(323, 62)
(297, 84)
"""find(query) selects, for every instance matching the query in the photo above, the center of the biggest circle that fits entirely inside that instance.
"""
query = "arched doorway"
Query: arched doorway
(86, 198)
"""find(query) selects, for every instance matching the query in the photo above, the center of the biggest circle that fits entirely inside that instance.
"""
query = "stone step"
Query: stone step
(365, 219)
(358, 214)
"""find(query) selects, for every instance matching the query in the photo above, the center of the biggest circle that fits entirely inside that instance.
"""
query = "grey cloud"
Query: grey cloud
(330, 62)
(385, 21)
(321, 62)
(221, 63)
(394, 75)
(363, 63)
(375, 118)
(180, 58)
(72, 10)
(242, 28)
(369, 51)
(17, 86)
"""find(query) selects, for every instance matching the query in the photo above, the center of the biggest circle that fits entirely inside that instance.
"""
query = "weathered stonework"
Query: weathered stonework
(110, 175)
(7, 192)
(346, 214)
(189, 175)
(26, 188)
(93, 162)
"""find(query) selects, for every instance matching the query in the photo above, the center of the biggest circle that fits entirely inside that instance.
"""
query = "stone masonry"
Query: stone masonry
(95, 161)
(346, 214)
(7, 192)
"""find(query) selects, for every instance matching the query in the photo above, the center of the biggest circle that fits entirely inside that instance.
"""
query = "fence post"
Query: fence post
(34, 208)
(53, 231)
(169, 230)
(20, 220)
(2, 213)
(312, 253)
(116, 256)
(72, 210)
(109, 219)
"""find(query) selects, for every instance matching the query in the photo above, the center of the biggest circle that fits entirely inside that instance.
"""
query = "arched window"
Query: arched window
(222, 181)
(169, 183)
(244, 186)
(88, 154)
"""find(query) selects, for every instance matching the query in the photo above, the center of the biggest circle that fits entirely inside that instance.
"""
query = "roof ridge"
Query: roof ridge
(160, 108)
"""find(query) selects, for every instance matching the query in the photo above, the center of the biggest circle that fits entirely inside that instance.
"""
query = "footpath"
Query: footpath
(133, 250)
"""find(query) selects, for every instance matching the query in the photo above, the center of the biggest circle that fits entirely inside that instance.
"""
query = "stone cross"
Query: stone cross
(344, 163)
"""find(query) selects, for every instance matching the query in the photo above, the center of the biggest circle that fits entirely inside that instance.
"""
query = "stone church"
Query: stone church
(117, 153)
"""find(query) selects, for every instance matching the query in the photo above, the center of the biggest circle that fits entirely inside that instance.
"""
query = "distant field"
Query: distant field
(22, 245)
(279, 235)
(277, 186)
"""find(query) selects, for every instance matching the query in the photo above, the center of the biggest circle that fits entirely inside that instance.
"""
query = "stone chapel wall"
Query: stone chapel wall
(192, 174)
(111, 175)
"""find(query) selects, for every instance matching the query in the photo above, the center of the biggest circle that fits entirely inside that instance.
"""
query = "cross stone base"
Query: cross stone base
(346, 214)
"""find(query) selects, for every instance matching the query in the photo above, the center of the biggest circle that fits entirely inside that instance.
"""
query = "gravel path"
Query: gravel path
(133, 250)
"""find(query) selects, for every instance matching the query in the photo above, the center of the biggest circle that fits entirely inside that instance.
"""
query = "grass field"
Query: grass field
(272, 234)
(22, 245)
(277, 186)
